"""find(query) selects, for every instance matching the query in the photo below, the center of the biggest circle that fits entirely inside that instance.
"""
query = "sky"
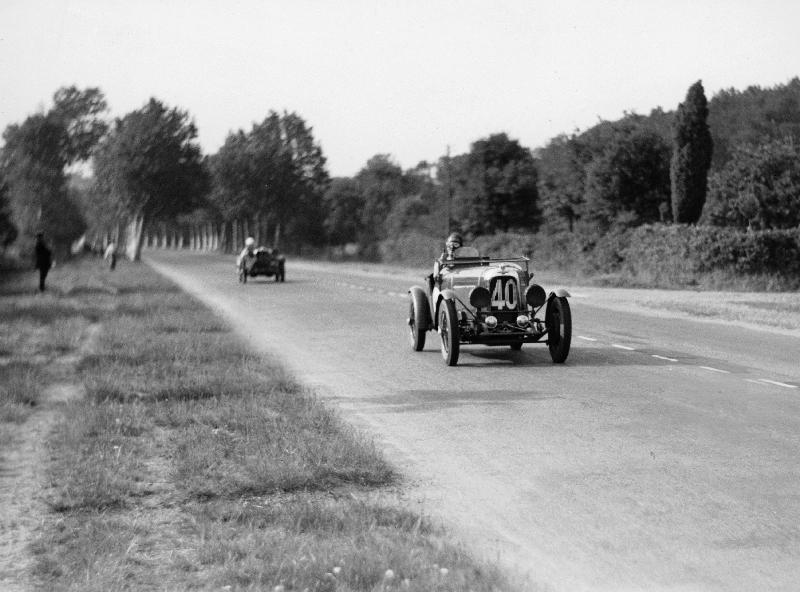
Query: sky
(408, 78)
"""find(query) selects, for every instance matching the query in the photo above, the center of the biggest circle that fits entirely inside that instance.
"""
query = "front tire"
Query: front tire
(558, 320)
(418, 315)
(448, 332)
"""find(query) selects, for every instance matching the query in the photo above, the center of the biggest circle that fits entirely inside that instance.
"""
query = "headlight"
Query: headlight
(491, 322)
(523, 321)
(479, 297)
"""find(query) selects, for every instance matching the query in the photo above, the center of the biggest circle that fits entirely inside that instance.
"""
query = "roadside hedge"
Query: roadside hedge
(654, 255)
(679, 254)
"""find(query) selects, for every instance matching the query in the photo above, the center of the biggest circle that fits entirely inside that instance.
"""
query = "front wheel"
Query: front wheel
(448, 332)
(417, 320)
(558, 320)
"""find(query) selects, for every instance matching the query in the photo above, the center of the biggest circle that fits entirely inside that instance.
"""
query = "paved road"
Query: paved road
(664, 455)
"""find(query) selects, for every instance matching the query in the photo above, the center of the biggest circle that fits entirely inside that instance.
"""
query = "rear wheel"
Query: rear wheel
(516, 346)
(559, 328)
(448, 332)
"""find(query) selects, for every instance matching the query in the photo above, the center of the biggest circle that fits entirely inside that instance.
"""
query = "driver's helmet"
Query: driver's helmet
(454, 241)
(249, 242)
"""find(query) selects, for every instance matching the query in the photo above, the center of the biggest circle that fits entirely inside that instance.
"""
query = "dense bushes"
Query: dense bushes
(709, 248)
(685, 255)
(658, 255)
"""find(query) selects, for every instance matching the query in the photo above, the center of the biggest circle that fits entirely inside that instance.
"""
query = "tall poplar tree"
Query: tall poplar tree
(691, 156)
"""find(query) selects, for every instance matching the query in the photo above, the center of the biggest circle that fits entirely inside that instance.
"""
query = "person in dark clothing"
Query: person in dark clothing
(44, 259)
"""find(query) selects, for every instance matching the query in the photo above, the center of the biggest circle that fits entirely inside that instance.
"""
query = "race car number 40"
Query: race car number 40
(504, 293)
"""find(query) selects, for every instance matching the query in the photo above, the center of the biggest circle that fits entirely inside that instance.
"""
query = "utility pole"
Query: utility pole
(449, 194)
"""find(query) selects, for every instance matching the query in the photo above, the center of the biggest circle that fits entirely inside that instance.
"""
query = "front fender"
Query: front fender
(560, 292)
(438, 297)
(421, 304)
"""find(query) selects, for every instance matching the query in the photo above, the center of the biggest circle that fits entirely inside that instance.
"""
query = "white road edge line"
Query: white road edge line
(710, 369)
(664, 358)
(776, 383)
(625, 347)
(586, 338)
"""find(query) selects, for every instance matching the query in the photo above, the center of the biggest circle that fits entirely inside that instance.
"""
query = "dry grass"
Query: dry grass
(193, 464)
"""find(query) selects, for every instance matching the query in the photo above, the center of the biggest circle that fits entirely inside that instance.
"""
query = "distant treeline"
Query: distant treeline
(717, 169)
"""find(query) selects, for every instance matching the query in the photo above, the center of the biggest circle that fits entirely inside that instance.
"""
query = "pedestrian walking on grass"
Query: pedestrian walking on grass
(111, 255)
(44, 259)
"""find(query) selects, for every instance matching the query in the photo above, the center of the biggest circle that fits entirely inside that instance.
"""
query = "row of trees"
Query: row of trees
(150, 173)
(34, 192)
(665, 168)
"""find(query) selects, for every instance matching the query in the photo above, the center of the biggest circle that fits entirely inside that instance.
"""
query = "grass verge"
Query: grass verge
(193, 464)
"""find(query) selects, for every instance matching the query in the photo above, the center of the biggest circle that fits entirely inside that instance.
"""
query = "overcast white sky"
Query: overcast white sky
(407, 77)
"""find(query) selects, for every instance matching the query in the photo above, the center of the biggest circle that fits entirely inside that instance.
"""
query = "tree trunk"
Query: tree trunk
(257, 225)
(277, 239)
(133, 247)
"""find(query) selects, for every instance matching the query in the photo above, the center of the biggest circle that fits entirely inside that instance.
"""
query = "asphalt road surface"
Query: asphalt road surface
(664, 455)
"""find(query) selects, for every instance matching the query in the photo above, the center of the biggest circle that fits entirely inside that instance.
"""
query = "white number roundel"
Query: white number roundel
(504, 293)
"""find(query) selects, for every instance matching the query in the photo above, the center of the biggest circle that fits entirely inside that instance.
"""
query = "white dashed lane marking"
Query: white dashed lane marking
(776, 383)
(625, 347)
(664, 358)
(710, 369)
(586, 338)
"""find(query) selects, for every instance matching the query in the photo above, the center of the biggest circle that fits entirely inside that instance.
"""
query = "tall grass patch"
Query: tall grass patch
(101, 451)
(269, 442)
(20, 390)
(314, 541)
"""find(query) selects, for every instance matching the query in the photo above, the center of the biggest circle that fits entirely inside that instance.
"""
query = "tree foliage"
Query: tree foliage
(627, 183)
(150, 167)
(35, 156)
(495, 187)
(8, 230)
(343, 204)
(691, 156)
(276, 171)
(752, 116)
(759, 188)
(562, 176)
(380, 183)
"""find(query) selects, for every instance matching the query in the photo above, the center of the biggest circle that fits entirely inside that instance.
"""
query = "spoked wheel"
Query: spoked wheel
(448, 332)
(558, 320)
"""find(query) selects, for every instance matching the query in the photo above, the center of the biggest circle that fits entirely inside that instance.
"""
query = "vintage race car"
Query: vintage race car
(474, 299)
(263, 261)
